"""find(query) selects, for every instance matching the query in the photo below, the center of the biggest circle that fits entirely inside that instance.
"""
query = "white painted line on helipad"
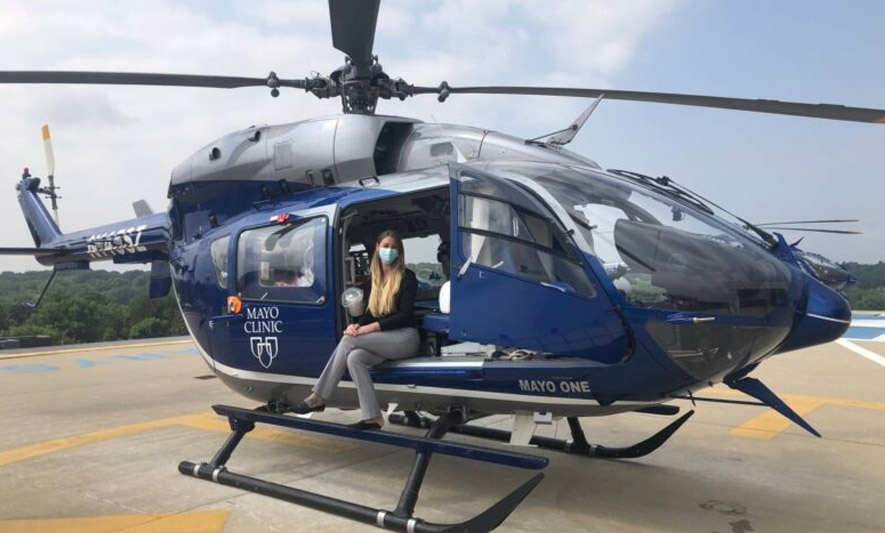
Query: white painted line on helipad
(866, 323)
(863, 352)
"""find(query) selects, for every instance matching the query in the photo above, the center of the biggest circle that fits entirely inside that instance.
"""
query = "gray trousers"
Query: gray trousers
(358, 354)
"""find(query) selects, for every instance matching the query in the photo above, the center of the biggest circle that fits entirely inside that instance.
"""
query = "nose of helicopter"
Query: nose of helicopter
(826, 318)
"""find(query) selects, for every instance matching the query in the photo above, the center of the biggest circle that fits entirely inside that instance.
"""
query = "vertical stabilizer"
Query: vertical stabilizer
(43, 228)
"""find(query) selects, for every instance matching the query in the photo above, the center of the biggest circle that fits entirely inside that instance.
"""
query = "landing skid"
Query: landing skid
(577, 444)
(402, 517)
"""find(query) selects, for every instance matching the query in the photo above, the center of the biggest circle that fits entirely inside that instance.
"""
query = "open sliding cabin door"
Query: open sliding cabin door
(518, 280)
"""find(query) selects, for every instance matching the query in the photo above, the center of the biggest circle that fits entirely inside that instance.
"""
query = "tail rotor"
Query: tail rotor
(50, 188)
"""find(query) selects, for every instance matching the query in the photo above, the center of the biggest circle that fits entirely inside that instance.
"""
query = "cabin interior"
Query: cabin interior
(422, 222)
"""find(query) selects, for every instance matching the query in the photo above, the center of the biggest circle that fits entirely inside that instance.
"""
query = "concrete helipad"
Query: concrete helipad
(91, 438)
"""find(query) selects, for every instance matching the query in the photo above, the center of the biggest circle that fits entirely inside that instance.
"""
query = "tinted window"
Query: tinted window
(707, 348)
(283, 262)
(664, 253)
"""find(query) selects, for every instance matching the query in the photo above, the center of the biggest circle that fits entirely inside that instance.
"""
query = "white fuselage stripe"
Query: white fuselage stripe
(441, 364)
(828, 318)
(415, 389)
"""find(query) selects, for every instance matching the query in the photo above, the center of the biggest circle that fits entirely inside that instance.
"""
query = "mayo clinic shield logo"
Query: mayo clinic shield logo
(264, 349)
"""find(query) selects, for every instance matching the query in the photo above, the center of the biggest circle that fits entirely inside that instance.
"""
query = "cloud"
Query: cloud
(115, 145)
(80, 108)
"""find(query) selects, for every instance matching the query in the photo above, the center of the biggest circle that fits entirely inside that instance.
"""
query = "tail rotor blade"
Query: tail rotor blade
(50, 188)
(47, 151)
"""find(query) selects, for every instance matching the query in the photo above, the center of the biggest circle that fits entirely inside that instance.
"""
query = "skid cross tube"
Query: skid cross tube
(576, 445)
(402, 518)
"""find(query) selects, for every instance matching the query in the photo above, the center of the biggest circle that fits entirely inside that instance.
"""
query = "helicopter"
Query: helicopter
(559, 288)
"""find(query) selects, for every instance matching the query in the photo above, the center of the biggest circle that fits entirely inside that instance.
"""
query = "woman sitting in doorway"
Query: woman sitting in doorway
(387, 330)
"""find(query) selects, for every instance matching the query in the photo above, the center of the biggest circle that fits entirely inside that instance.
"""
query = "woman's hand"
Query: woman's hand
(368, 328)
(352, 330)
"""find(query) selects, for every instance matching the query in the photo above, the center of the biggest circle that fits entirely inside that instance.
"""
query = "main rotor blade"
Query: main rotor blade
(838, 221)
(142, 78)
(826, 111)
(353, 28)
(838, 231)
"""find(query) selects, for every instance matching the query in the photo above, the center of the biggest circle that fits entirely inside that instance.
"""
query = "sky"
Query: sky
(116, 145)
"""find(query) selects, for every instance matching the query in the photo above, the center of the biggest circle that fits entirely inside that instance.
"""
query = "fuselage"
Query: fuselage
(617, 294)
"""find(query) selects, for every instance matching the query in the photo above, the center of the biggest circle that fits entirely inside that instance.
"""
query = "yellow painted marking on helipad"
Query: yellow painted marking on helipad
(200, 421)
(856, 403)
(93, 349)
(191, 522)
(770, 424)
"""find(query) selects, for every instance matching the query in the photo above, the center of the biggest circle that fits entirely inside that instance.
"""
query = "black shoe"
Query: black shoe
(362, 425)
(302, 408)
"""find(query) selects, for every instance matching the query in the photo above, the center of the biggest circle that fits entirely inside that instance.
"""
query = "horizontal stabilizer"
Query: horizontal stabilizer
(757, 389)
(28, 251)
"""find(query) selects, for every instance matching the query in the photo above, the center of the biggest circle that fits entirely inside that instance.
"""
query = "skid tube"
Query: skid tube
(402, 517)
(577, 444)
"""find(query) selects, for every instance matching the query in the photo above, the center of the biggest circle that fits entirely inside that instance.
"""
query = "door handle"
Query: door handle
(464, 267)
(228, 318)
(553, 286)
(684, 319)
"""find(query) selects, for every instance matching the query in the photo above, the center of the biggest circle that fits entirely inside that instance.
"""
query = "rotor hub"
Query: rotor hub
(359, 87)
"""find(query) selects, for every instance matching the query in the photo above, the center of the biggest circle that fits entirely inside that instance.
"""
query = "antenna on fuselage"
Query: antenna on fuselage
(50, 188)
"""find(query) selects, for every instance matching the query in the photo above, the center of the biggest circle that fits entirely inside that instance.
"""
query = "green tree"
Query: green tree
(149, 327)
(78, 317)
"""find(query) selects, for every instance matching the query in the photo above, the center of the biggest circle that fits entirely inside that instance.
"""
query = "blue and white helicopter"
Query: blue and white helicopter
(549, 287)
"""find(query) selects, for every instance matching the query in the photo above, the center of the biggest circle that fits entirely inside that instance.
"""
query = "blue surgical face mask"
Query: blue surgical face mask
(388, 255)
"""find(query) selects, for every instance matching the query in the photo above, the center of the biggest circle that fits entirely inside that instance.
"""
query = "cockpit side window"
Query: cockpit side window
(509, 231)
(283, 262)
(218, 249)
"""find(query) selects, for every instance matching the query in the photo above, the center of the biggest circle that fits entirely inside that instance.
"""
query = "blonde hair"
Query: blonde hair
(381, 301)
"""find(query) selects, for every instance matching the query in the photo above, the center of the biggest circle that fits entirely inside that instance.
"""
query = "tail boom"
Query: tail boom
(139, 240)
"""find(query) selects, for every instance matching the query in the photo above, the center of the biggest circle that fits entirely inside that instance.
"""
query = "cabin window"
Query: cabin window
(506, 230)
(283, 262)
(219, 260)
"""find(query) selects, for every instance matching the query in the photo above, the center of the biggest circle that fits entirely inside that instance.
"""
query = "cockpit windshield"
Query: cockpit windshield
(663, 252)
